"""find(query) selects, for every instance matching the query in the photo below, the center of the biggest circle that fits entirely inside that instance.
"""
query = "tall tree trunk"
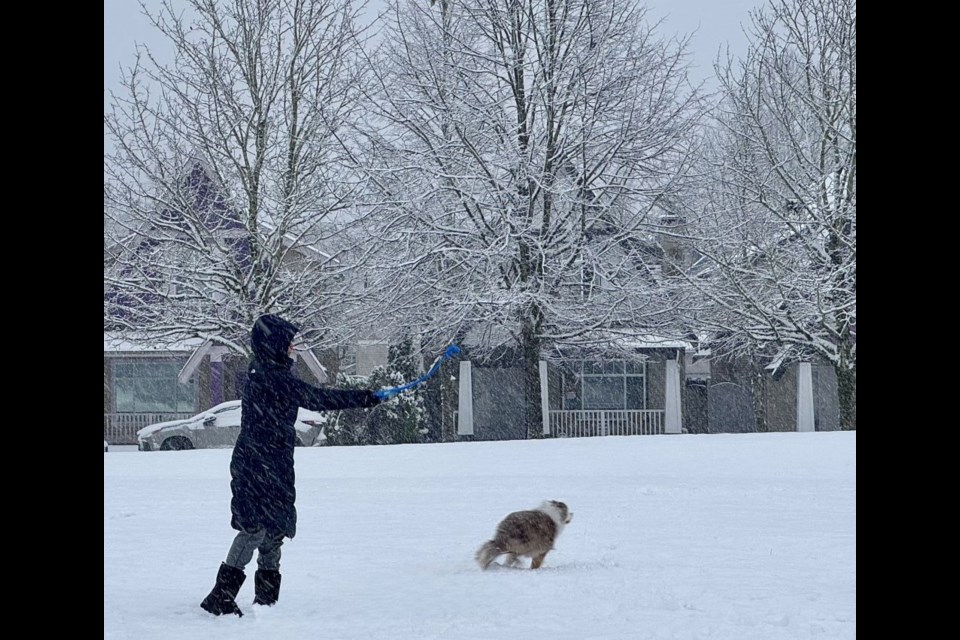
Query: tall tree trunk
(530, 346)
(847, 394)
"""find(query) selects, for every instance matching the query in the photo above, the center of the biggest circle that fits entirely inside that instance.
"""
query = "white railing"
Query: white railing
(579, 424)
(121, 428)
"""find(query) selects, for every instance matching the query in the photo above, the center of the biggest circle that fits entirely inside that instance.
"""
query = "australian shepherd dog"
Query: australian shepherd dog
(526, 533)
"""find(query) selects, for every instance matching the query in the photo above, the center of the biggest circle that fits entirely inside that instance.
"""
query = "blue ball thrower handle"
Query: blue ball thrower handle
(449, 352)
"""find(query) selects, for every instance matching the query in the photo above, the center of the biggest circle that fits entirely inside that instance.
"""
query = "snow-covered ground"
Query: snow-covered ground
(740, 537)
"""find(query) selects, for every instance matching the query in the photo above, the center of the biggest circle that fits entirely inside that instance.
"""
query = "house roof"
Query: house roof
(306, 244)
(214, 351)
(651, 341)
(125, 343)
(198, 348)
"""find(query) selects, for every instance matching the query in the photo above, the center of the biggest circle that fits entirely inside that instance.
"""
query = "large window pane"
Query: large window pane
(155, 395)
(613, 366)
(187, 397)
(152, 387)
(605, 384)
(123, 394)
(636, 399)
(637, 367)
(591, 367)
(603, 392)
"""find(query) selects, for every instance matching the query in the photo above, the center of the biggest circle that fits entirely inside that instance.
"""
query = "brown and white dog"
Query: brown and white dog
(526, 533)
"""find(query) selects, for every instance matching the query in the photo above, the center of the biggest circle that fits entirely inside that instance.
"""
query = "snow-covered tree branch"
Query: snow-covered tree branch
(777, 213)
(522, 149)
(228, 188)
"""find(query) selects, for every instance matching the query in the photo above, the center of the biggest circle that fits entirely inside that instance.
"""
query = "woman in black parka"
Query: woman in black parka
(262, 464)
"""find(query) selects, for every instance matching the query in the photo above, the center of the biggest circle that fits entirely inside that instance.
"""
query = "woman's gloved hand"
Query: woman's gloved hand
(386, 394)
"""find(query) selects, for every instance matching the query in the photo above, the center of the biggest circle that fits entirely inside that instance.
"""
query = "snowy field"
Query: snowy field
(740, 537)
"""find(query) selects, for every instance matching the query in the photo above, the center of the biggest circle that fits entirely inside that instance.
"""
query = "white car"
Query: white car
(218, 428)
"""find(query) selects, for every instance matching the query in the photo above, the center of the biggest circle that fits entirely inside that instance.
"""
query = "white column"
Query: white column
(544, 398)
(465, 400)
(672, 419)
(805, 397)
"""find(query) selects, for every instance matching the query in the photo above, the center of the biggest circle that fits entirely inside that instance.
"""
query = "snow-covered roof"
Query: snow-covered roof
(624, 339)
(305, 243)
(116, 343)
(777, 361)
(651, 341)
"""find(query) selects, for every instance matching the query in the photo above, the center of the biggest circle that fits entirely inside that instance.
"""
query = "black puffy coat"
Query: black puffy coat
(262, 465)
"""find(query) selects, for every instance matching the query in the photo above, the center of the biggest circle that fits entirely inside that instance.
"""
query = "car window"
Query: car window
(228, 417)
(225, 409)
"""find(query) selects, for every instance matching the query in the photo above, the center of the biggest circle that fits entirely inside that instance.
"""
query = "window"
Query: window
(606, 384)
(152, 387)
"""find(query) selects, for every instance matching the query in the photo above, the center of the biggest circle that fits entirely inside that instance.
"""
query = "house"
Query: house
(659, 386)
(140, 385)
(640, 384)
(166, 376)
(145, 382)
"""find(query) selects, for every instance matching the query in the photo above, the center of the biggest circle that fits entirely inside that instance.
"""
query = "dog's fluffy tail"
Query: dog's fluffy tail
(487, 553)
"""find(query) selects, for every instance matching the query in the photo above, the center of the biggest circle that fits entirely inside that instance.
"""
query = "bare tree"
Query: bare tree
(779, 223)
(522, 151)
(228, 187)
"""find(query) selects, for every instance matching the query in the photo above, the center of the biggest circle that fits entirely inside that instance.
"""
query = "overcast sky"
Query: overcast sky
(716, 23)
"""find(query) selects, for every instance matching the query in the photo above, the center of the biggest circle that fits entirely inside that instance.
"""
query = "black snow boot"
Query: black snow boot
(222, 599)
(266, 584)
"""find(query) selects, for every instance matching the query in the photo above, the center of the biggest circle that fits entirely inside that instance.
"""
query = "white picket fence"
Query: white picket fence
(579, 424)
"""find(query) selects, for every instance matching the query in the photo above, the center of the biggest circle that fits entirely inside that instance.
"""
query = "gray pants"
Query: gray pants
(268, 544)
